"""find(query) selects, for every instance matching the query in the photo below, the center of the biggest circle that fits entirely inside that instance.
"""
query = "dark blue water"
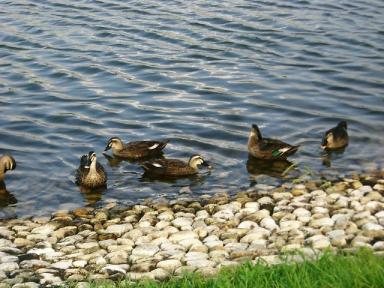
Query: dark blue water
(75, 73)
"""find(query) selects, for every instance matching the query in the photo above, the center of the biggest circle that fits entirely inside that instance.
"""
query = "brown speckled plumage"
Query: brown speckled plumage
(136, 149)
(268, 149)
(174, 167)
(336, 137)
(90, 173)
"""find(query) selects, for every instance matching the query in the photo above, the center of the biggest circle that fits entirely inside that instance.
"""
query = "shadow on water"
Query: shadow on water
(273, 168)
(194, 180)
(6, 198)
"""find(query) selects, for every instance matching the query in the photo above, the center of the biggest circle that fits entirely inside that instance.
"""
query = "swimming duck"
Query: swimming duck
(7, 162)
(336, 137)
(268, 149)
(90, 173)
(136, 149)
(174, 167)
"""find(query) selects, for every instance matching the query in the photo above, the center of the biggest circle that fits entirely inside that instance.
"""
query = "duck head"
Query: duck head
(114, 143)
(342, 124)
(255, 132)
(197, 160)
(92, 159)
(7, 163)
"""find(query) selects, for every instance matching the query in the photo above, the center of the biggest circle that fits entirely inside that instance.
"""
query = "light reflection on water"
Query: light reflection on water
(74, 74)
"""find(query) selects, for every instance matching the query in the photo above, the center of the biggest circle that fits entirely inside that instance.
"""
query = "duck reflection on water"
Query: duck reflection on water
(7, 163)
(92, 195)
(328, 155)
(273, 168)
(6, 198)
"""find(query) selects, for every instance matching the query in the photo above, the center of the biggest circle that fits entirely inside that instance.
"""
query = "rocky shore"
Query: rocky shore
(158, 240)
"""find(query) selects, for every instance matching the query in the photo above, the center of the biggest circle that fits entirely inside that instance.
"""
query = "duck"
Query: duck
(268, 149)
(136, 149)
(7, 162)
(90, 173)
(174, 167)
(336, 137)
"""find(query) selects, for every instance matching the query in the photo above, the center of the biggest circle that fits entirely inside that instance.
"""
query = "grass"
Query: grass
(363, 269)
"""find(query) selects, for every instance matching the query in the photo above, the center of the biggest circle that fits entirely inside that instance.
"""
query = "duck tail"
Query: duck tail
(153, 168)
(146, 166)
(292, 150)
(285, 151)
(163, 144)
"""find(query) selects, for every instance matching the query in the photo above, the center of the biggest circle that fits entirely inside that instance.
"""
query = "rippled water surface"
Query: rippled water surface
(75, 73)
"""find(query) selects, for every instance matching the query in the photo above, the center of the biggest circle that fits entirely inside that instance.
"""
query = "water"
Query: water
(74, 74)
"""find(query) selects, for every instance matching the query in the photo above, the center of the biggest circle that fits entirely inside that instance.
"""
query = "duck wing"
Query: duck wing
(334, 138)
(100, 169)
(144, 148)
(278, 149)
(324, 141)
(83, 169)
(167, 167)
(102, 174)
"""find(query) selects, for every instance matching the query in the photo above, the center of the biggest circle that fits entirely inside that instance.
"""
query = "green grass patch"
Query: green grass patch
(363, 269)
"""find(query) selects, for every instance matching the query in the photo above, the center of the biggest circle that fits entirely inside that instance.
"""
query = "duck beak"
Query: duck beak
(107, 148)
(86, 166)
(206, 164)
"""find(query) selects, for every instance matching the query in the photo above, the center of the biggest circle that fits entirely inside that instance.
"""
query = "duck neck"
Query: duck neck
(252, 138)
(193, 165)
(2, 169)
(118, 146)
(92, 167)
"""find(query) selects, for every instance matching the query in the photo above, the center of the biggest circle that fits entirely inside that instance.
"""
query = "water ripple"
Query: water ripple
(74, 73)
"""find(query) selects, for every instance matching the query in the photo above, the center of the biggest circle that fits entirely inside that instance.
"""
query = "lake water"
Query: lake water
(75, 73)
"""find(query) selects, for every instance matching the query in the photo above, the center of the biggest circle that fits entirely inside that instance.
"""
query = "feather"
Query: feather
(154, 146)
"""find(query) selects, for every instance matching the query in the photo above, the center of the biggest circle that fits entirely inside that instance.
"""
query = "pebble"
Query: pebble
(145, 251)
(26, 285)
(158, 240)
(9, 266)
(111, 269)
(182, 222)
(318, 223)
(119, 229)
(45, 230)
(118, 257)
(197, 263)
(62, 265)
(373, 230)
(247, 225)
(269, 224)
(169, 265)
(182, 235)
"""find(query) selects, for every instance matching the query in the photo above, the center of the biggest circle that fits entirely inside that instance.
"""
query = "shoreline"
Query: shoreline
(158, 240)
